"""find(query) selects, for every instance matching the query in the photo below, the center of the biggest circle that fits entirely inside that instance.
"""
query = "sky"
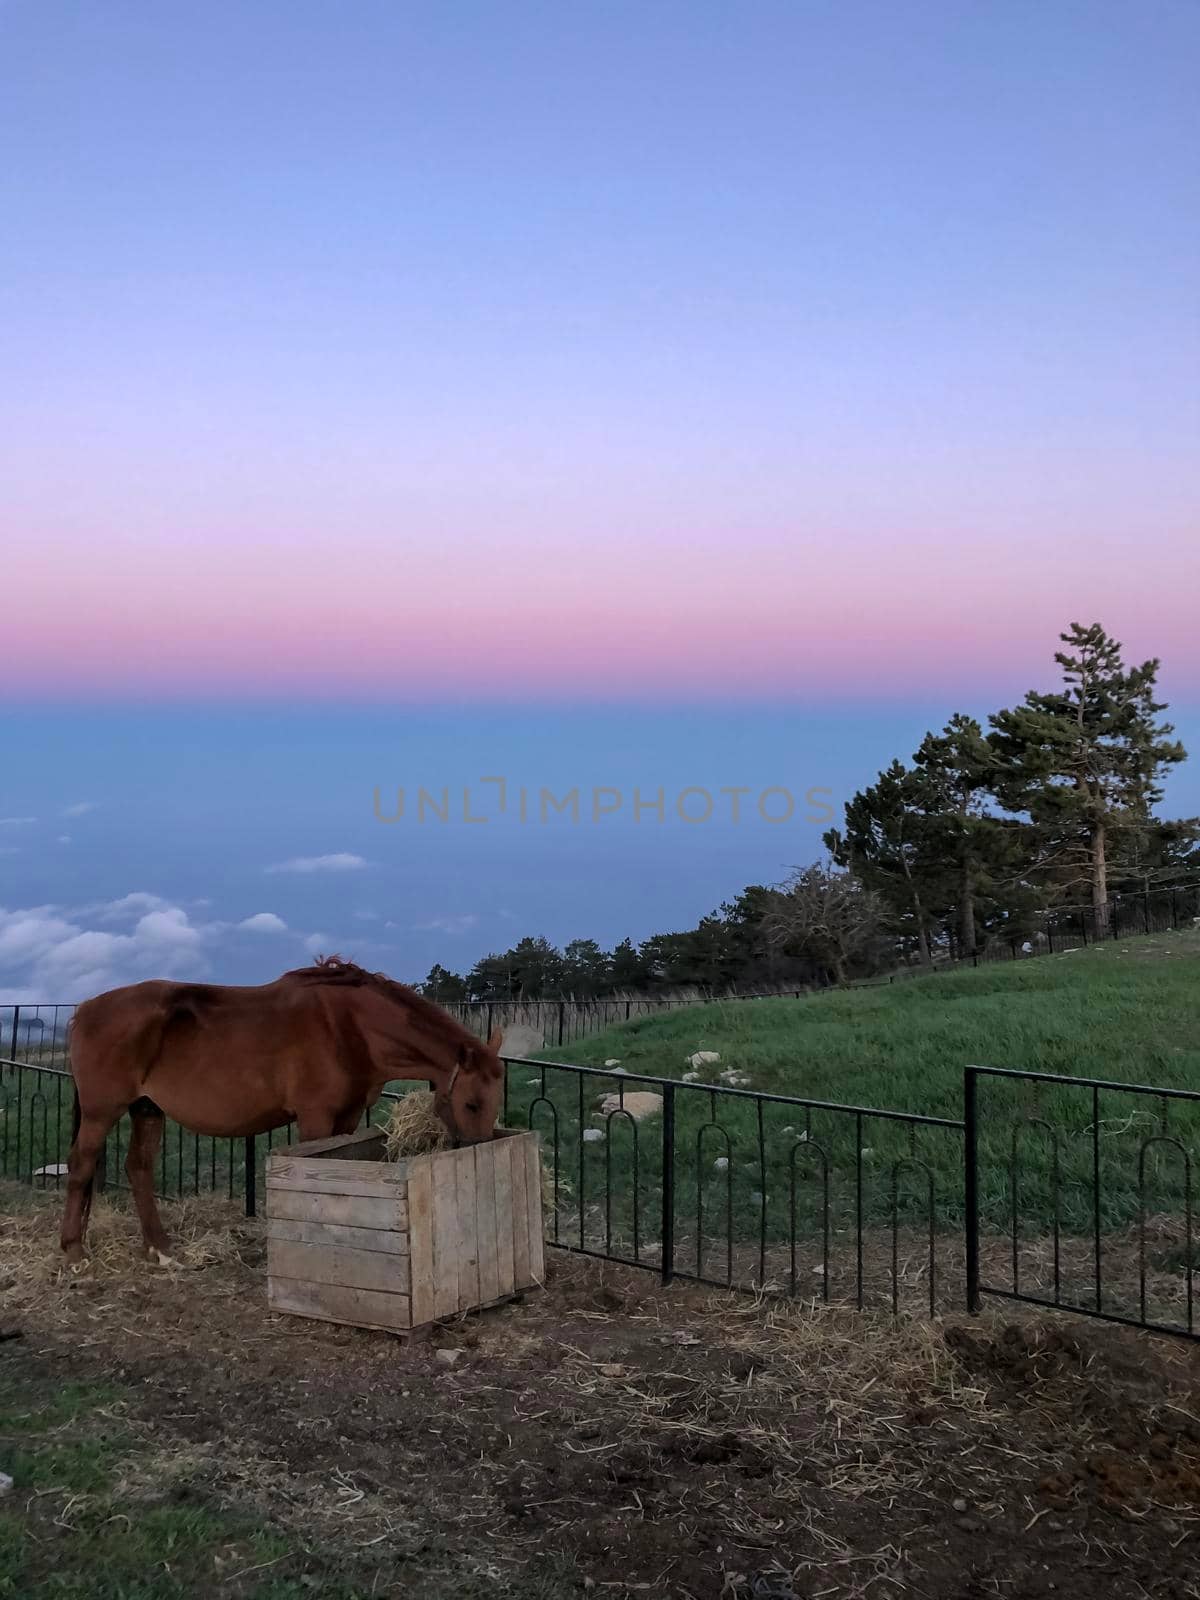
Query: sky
(605, 396)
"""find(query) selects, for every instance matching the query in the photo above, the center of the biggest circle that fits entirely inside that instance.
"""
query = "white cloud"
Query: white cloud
(263, 922)
(127, 909)
(52, 955)
(339, 861)
(461, 924)
(64, 838)
(79, 809)
(317, 944)
(27, 935)
(17, 822)
(367, 916)
(168, 929)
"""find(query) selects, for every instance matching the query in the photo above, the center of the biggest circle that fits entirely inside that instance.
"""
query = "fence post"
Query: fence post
(1174, 909)
(488, 1030)
(562, 1017)
(668, 1183)
(1146, 911)
(971, 1187)
(251, 1176)
(12, 1047)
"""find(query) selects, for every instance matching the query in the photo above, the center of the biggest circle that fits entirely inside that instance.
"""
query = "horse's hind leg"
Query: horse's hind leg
(146, 1123)
(81, 1173)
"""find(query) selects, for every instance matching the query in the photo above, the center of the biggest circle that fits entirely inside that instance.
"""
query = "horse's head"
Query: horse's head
(469, 1101)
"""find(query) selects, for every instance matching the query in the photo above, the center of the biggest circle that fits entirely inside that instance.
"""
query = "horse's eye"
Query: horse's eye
(472, 1105)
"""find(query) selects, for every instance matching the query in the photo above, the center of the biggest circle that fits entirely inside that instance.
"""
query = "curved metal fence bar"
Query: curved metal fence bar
(1098, 1175)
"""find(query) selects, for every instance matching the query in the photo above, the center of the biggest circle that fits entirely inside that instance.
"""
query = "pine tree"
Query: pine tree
(1085, 763)
(889, 844)
(960, 766)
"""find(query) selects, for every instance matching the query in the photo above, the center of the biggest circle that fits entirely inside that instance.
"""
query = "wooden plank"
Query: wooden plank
(365, 1144)
(468, 1231)
(362, 1308)
(533, 1197)
(502, 1160)
(485, 1221)
(420, 1242)
(350, 1210)
(389, 1241)
(338, 1265)
(520, 1213)
(444, 1169)
(335, 1177)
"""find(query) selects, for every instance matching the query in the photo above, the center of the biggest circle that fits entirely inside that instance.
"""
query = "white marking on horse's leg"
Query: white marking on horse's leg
(158, 1258)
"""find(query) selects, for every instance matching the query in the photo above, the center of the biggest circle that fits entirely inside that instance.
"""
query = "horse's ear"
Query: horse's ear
(495, 1040)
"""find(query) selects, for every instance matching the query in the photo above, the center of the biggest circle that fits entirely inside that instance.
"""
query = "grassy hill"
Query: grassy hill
(1127, 1011)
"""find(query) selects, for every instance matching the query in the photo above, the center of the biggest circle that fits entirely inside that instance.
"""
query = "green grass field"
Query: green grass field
(1125, 1012)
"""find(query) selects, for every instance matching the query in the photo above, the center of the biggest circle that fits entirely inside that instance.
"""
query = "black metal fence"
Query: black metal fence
(1073, 1194)
(1088, 1204)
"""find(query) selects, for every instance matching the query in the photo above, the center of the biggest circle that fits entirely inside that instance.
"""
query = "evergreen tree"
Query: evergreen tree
(628, 968)
(1085, 763)
(973, 845)
(888, 843)
(441, 984)
(585, 969)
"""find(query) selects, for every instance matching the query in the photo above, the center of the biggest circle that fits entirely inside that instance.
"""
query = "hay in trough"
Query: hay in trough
(414, 1128)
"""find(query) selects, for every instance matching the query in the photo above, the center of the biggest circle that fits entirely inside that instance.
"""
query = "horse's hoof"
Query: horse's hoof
(73, 1255)
(160, 1258)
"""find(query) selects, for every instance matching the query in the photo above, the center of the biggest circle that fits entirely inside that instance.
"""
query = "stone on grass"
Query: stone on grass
(639, 1103)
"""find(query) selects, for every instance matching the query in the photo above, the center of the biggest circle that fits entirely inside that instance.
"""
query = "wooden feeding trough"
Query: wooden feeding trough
(355, 1238)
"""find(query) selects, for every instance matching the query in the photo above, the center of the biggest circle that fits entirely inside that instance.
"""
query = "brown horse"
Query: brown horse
(315, 1047)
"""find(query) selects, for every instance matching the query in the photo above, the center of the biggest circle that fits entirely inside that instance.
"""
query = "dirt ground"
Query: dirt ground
(609, 1436)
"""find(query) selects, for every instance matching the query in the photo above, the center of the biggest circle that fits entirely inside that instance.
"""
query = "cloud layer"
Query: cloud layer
(54, 953)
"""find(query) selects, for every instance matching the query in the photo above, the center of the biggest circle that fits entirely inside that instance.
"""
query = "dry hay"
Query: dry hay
(203, 1233)
(413, 1127)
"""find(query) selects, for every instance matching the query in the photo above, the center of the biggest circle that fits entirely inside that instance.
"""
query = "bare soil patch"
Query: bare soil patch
(610, 1436)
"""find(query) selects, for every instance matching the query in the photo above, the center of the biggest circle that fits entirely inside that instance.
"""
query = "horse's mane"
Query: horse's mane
(335, 970)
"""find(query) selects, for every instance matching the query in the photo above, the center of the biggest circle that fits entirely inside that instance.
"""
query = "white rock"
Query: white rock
(533, 1082)
(703, 1058)
(690, 1077)
(448, 1358)
(592, 1135)
(639, 1103)
(6, 1483)
(613, 1061)
(721, 1164)
(57, 1169)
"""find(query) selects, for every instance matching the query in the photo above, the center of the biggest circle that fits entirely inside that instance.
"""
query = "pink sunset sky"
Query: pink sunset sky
(618, 354)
